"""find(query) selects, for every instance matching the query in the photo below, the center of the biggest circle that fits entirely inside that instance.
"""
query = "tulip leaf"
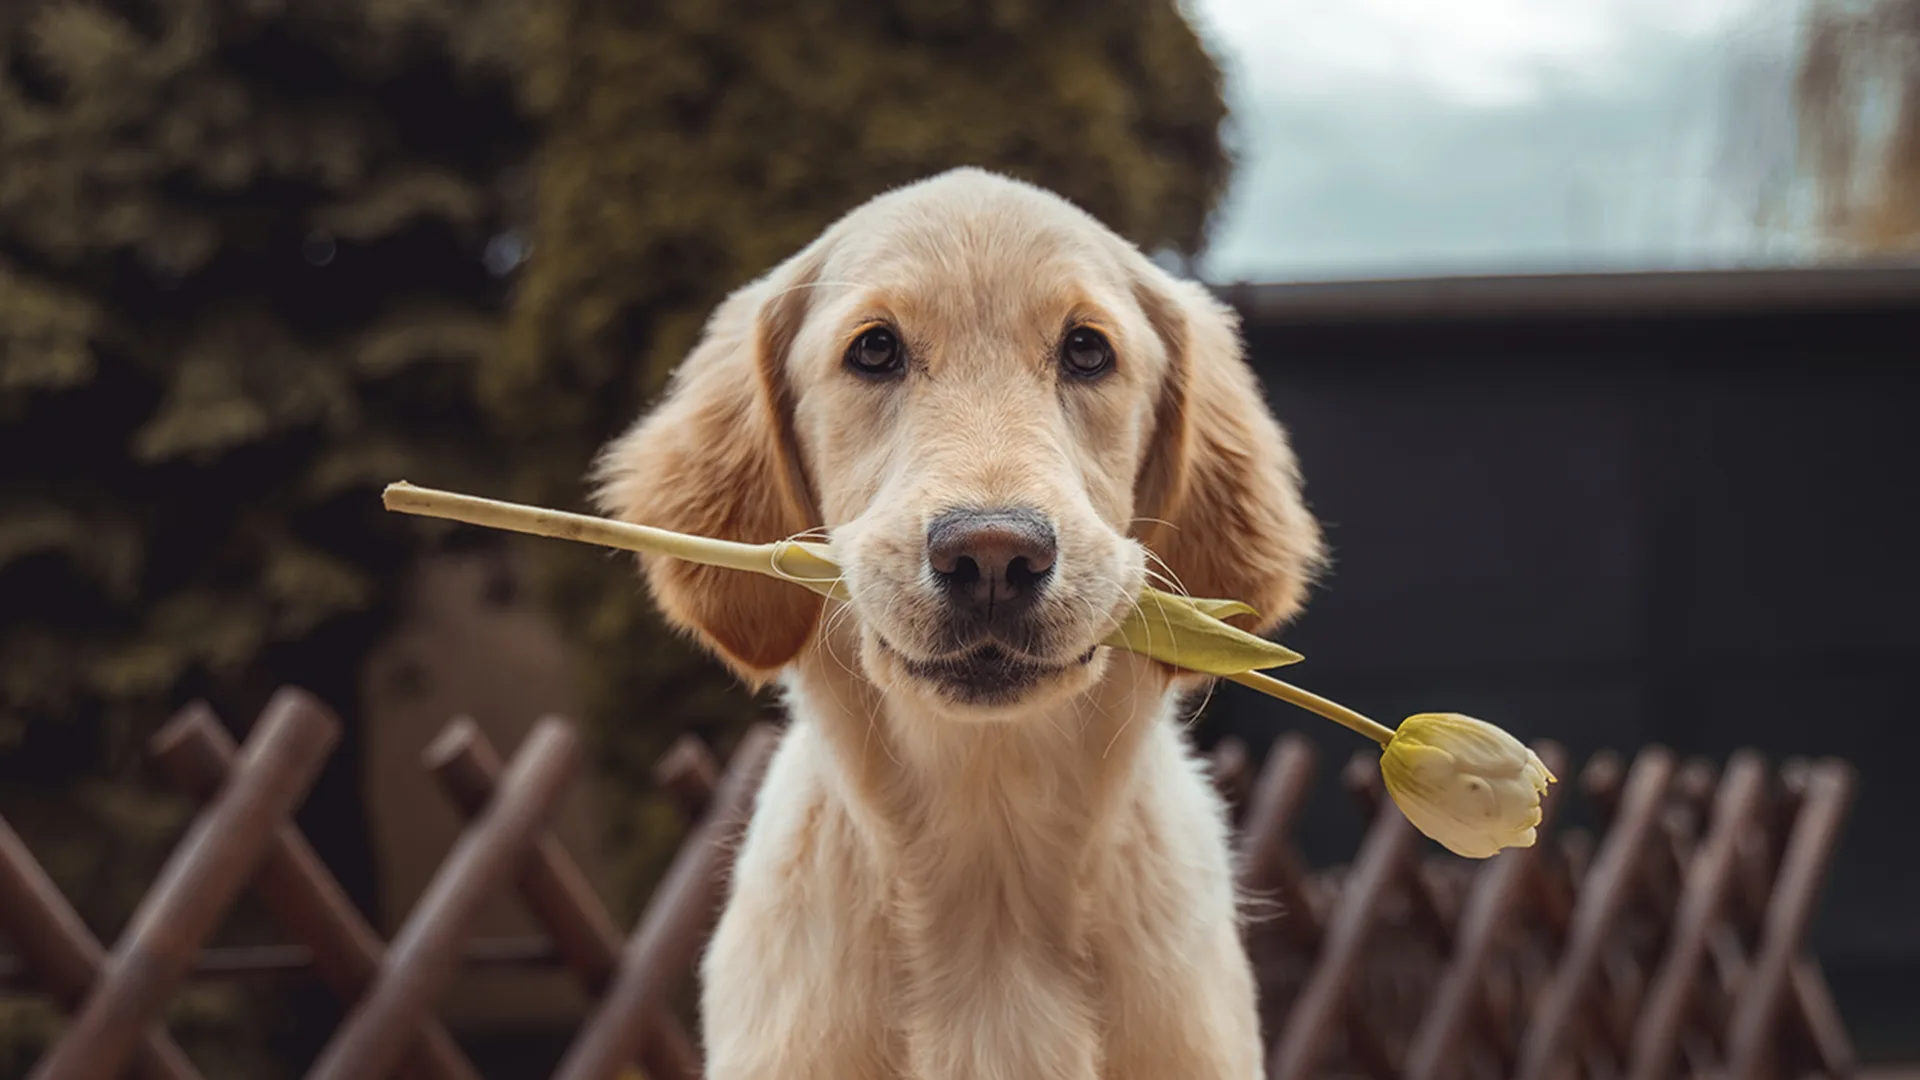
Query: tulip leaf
(1187, 633)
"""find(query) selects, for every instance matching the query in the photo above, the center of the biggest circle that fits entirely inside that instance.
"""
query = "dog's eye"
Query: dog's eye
(1086, 353)
(877, 353)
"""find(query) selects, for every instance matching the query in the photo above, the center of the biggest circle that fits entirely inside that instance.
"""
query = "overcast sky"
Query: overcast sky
(1398, 137)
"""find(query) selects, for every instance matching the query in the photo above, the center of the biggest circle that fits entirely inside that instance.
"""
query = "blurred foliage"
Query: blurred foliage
(201, 1020)
(241, 286)
(27, 1028)
(1858, 90)
(256, 260)
(688, 147)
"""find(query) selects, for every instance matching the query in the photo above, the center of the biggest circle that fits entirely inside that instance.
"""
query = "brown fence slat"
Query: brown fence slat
(1363, 781)
(197, 755)
(1603, 894)
(1828, 1043)
(1803, 870)
(1812, 1025)
(662, 948)
(1231, 770)
(688, 772)
(1324, 1008)
(558, 895)
(1434, 1052)
(1709, 880)
(425, 954)
(279, 963)
(1270, 865)
(198, 884)
(1267, 863)
(56, 946)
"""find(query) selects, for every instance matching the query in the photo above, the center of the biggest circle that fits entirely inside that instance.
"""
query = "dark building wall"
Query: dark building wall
(1610, 526)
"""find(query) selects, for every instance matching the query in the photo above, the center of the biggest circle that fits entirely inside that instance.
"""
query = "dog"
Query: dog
(984, 849)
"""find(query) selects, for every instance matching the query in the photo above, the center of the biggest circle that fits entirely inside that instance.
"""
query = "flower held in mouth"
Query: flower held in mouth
(1463, 782)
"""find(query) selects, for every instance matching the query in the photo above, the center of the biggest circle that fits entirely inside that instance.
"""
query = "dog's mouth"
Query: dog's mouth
(988, 674)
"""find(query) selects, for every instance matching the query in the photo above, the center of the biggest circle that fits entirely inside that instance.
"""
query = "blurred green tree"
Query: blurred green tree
(259, 257)
(1858, 92)
(243, 282)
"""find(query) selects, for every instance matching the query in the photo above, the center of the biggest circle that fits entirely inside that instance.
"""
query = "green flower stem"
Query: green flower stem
(559, 524)
(1314, 703)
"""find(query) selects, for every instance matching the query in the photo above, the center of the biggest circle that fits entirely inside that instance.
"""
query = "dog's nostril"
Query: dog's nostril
(990, 558)
(1022, 575)
(965, 571)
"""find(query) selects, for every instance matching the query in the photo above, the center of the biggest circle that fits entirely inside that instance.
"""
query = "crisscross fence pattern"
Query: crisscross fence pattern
(1669, 941)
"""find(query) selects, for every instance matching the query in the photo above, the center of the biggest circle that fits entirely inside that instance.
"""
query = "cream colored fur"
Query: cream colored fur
(930, 890)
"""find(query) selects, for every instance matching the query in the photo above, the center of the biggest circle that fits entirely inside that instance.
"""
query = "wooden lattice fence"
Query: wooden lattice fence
(1670, 941)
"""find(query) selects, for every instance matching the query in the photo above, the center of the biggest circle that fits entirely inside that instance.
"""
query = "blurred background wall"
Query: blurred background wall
(259, 257)
(1623, 509)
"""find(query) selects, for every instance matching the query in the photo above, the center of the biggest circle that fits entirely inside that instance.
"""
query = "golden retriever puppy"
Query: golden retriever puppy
(984, 849)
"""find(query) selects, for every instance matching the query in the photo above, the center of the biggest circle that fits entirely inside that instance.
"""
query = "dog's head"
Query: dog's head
(1006, 418)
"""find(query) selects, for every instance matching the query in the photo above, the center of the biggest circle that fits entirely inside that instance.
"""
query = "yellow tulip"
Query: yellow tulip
(1465, 782)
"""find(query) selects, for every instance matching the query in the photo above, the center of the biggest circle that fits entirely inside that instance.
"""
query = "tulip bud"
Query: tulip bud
(1465, 783)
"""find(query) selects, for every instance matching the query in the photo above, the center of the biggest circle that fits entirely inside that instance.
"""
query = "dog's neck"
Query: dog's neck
(994, 834)
(1023, 804)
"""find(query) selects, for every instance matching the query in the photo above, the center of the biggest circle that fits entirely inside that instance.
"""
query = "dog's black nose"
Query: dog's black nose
(991, 563)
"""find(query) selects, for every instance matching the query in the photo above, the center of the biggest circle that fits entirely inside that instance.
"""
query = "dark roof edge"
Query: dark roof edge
(1637, 293)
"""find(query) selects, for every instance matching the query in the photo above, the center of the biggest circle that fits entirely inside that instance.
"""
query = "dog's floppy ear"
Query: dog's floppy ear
(717, 458)
(1219, 498)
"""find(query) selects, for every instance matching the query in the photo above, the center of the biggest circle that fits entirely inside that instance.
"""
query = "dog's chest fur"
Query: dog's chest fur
(1029, 899)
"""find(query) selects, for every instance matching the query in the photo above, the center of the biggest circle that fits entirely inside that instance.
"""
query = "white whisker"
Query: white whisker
(1179, 586)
